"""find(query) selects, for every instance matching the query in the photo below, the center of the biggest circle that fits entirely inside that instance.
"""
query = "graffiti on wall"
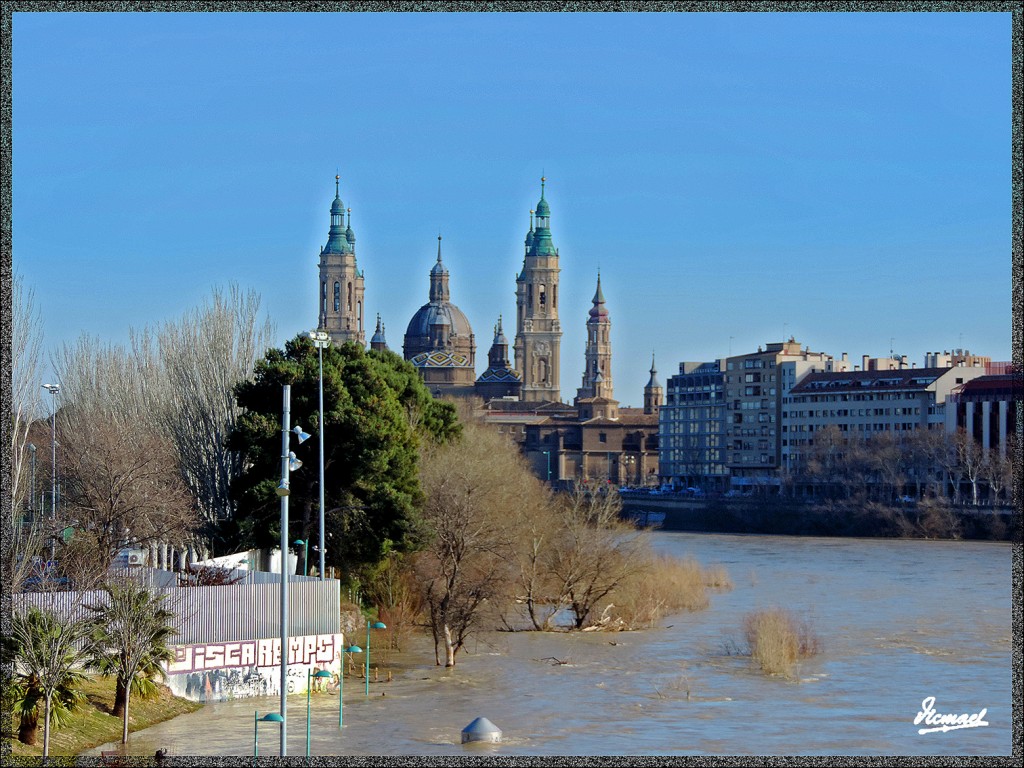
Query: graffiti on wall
(222, 671)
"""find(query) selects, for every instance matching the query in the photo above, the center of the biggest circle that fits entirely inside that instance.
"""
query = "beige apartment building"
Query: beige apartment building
(755, 386)
(862, 404)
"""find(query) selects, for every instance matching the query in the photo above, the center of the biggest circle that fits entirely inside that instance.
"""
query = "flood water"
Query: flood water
(899, 620)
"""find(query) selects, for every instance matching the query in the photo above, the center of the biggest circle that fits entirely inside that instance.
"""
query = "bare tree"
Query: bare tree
(26, 369)
(470, 486)
(21, 542)
(594, 551)
(123, 487)
(175, 386)
(204, 355)
(970, 459)
(997, 469)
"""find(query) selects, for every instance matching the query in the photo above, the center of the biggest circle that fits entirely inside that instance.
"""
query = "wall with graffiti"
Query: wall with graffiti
(222, 671)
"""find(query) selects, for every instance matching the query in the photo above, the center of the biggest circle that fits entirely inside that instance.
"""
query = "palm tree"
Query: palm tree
(44, 649)
(130, 630)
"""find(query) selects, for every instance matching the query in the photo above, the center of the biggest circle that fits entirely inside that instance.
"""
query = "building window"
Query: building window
(337, 297)
(602, 437)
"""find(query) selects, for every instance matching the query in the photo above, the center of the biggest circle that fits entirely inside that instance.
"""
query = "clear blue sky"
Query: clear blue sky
(843, 178)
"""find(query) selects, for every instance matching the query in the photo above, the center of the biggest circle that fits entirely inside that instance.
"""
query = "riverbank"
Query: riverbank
(92, 723)
(792, 517)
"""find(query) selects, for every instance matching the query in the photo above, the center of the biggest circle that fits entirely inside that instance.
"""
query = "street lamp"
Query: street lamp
(341, 682)
(54, 390)
(273, 717)
(375, 625)
(309, 680)
(288, 463)
(320, 340)
(305, 555)
(548, 454)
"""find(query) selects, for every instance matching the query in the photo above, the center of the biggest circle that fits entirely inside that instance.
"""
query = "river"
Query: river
(900, 621)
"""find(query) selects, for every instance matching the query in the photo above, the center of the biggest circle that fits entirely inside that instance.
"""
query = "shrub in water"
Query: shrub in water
(777, 640)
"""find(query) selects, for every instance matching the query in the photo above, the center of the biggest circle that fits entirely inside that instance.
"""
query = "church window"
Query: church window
(542, 299)
(337, 297)
(529, 296)
(554, 296)
(359, 312)
(348, 306)
(323, 297)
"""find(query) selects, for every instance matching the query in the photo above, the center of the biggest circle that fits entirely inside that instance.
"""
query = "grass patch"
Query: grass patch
(92, 724)
(666, 586)
(778, 640)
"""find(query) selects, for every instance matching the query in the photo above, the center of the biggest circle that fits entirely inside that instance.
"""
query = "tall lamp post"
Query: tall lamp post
(305, 555)
(320, 340)
(288, 463)
(369, 626)
(548, 454)
(54, 390)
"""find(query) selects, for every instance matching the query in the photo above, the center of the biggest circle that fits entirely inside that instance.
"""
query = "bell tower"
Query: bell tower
(597, 376)
(538, 331)
(341, 282)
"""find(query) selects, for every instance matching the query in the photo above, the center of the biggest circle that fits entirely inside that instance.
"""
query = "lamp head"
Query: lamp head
(282, 489)
(378, 625)
(353, 649)
(323, 673)
(293, 463)
(272, 717)
(303, 436)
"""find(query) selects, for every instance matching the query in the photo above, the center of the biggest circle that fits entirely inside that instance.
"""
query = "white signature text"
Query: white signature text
(944, 723)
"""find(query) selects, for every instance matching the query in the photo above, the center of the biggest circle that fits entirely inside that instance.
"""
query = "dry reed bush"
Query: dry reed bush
(666, 585)
(777, 640)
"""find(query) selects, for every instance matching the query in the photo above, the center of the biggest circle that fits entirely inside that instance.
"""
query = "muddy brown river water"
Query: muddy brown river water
(900, 621)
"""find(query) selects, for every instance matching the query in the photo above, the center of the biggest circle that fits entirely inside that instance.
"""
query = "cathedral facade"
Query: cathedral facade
(590, 439)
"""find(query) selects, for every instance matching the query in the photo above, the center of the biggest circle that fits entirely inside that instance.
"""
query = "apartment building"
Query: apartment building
(862, 404)
(691, 433)
(755, 387)
(988, 408)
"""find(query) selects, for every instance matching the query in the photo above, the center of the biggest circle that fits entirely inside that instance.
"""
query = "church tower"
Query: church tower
(378, 341)
(538, 332)
(653, 392)
(597, 376)
(341, 282)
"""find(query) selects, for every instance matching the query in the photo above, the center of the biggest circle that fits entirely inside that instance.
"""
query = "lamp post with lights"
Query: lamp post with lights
(288, 464)
(320, 340)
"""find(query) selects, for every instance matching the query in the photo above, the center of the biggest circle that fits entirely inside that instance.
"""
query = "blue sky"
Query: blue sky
(737, 178)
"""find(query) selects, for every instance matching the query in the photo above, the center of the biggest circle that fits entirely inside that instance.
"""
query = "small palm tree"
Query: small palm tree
(44, 650)
(130, 630)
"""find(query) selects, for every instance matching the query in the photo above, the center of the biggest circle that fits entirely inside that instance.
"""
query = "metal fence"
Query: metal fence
(222, 613)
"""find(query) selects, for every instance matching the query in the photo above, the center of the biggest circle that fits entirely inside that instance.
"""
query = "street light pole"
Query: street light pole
(548, 454)
(283, 490)
(288, 462)
(320, 340)
(53, 389)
